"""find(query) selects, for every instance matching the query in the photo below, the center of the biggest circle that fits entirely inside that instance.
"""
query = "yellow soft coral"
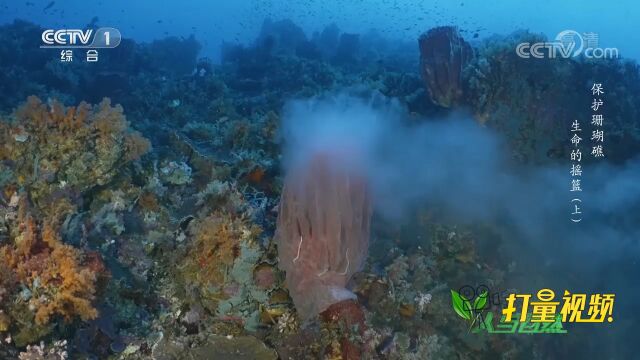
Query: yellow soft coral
(74, 285)
(54, 147)
(217, 242)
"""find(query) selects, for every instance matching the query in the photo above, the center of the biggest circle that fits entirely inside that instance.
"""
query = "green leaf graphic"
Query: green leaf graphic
(461, 305)
(480, 301)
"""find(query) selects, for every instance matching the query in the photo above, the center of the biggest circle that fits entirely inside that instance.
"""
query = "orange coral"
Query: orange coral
(25, 242)
(74, 285)
(135, 145)
(256, 176)
(108, 120)
(53, 271)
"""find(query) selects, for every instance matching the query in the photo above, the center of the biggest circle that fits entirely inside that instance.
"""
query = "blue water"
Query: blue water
(238, 21)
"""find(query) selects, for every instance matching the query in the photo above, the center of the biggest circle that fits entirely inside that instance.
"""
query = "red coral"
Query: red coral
(347, 315)
(322, 232)
(443, 55)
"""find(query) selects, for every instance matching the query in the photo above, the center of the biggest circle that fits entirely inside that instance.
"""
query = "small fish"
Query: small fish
(49, 6)
(93, 22)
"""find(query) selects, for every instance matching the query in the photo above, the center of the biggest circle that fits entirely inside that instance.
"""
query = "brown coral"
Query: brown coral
(443, 56)
(217, 242)
(322, 232)
(74, 283)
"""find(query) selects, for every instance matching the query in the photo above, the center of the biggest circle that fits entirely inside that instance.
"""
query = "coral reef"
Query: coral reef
(60, 153)
(532, 127)
(347, 319)
(108, 254)
(218, 268)
(53, 157)
(176, 173)
(548, 92)
(40, 352)
(48, 280)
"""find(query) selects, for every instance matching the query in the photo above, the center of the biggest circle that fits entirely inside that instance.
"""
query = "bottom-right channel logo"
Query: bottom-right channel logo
(521, 313)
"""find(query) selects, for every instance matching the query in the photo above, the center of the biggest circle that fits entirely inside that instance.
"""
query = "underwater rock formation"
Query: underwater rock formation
(322, 232)
(443, 56)
(327, 40)
(216, 347)
(282, 36)
(173, 55)
(347, 50)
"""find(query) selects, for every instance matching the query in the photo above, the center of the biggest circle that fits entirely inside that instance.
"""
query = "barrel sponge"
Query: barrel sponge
(322, 231)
